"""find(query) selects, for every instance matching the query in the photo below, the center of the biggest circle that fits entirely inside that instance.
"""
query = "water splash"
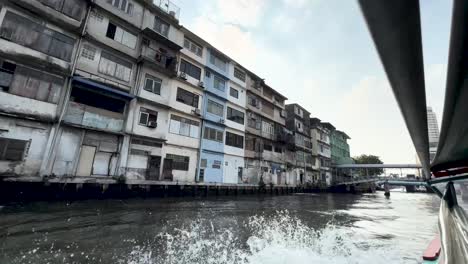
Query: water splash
(276, 239)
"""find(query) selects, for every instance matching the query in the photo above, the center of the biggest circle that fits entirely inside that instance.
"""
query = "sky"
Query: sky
(319, 54)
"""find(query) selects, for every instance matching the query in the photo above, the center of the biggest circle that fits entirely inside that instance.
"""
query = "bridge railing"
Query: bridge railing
(347, 180)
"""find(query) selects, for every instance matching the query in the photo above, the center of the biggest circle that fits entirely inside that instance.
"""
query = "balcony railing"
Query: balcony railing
(168, 7)
(93, 117)
(166, 62)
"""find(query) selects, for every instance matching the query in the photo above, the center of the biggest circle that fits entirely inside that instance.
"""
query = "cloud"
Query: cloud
(246, 13)
(370, 115)
(334, 72)
(297, 3)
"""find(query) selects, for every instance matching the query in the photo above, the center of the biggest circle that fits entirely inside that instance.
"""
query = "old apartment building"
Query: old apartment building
(120, 90)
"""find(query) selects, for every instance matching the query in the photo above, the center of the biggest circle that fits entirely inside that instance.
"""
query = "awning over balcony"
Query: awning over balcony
(161, 39)
(86, 83)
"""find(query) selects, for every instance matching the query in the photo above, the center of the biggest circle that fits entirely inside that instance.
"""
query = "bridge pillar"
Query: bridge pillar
(387, 189)
(411, 189)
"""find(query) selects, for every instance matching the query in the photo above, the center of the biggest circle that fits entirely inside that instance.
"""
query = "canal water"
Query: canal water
(307, 228)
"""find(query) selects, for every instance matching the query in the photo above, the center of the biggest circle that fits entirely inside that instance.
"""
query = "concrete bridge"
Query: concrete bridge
(381, 180)
(373, 181)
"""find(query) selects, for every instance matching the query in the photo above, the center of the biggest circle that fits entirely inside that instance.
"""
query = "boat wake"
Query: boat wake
(273, 240)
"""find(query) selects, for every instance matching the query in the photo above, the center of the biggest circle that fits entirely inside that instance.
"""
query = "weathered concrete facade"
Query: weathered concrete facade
(113, 91)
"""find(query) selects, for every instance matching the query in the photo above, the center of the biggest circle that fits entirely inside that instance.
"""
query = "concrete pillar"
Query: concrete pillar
(122, 164)
(47, 160)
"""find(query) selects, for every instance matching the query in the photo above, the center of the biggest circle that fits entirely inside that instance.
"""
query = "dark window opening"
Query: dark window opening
(187, 97)
(268, 147)
(234, 140)
(179, 162)
(234, 93)
(25, 32)
(147, 117)
(13, 149)
(98, 100)
(111, 29)
(235, 115)
(190, 69)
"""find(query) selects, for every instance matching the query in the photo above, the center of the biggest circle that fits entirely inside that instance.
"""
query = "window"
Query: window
(254, 122)
(190, 69)
(216, 164)
(217, 61)
(239, 74)
(88, 52)
(268, 128)
(299, 139)
(307, 143)
(278, 149)
(98, 100)
(213, 134)
(123, 5)
(235, 115)
(234, 140)
(193, 47)
(219, 83)
(179, 162)
(267, 147)
(161, 26)
(120, 35)
(26, 82)
(152, 84)
(13, 149)
(234, 93)
(187, 97)
(184, 126)
(27, 33)
(71, 8)
(147, 117)
(7, 71)
(114, 66)
(253, 102)
(298, 111)
(215, 108)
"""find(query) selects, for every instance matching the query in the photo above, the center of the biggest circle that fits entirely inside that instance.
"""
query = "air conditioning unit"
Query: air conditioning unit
(197, 111)
(221, 121)
(182, 75)
(152, 124)
(283, 113)
(201, 84)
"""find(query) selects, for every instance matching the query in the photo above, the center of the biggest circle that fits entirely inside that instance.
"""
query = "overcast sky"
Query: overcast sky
(319, 53)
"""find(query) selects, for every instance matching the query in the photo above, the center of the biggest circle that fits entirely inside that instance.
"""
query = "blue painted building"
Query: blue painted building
(214, 113)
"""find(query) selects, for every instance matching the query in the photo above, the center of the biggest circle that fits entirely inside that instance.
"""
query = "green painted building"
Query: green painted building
(340, 148)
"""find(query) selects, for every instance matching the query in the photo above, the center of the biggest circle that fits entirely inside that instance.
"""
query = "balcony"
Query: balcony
(92, 117)
(162, 62)
(168, 7)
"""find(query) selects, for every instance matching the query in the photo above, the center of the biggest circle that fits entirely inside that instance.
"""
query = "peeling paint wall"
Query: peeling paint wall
(34, 132)
(14, 104)
(179, 175)
(67, 152)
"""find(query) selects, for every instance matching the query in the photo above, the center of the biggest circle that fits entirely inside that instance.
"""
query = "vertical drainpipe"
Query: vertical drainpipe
(51, 153)
(197, 172)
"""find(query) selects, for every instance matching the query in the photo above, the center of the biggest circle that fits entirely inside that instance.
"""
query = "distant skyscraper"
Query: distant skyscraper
(433, 130)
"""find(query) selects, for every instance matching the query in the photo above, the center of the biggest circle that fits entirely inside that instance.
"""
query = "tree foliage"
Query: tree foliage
(369, 159)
